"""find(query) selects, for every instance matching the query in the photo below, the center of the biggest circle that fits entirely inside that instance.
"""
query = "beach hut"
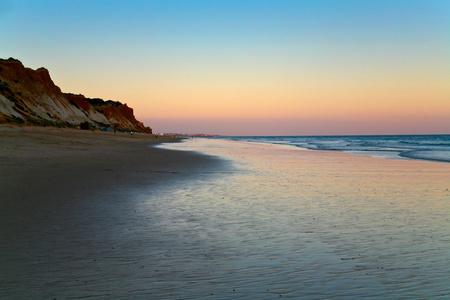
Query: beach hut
(85, 126)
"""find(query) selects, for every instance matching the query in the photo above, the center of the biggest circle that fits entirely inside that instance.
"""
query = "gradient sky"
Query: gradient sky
(247, 67)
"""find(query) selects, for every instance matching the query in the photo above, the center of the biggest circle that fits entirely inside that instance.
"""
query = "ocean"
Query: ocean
(424, 147)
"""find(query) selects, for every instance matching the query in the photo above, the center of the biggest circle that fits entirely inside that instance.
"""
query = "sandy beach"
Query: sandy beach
(47, 175)
(89, 214)
(51, 164)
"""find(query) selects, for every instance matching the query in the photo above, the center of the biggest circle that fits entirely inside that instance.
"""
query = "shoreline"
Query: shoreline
(53, 164)
(44, 167)
(411, 147)
(316, 154)
(351, 226)
(93, 215)
(59, 185)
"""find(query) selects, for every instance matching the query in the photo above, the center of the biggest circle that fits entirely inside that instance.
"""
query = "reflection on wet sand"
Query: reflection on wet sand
(280, 223)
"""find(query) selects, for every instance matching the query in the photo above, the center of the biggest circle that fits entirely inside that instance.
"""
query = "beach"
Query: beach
(53, 161)
(61, 186)
(93, 214)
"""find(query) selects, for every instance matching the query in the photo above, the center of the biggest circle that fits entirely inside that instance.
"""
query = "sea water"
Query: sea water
(425, 147)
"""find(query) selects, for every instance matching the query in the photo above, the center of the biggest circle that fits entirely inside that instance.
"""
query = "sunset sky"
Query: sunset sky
(247, 67)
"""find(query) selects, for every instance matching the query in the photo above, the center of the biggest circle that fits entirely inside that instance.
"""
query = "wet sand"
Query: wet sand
(320, 225)
(57, 182)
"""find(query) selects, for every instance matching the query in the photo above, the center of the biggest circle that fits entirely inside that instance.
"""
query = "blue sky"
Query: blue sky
(187, 64)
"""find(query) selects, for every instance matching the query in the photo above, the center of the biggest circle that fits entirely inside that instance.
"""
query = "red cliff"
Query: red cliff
(30, 97)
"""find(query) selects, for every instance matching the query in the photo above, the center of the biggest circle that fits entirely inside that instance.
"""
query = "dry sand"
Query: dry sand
(45, 165)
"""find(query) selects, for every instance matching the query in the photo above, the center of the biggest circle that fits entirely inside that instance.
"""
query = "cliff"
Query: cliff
(29, 96)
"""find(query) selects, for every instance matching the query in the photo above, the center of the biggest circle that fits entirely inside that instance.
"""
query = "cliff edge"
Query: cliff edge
(30, 97)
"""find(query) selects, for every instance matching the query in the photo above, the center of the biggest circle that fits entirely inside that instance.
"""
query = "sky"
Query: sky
(247, 67)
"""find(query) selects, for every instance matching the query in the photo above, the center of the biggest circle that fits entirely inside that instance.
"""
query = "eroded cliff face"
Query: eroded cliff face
(29, 96)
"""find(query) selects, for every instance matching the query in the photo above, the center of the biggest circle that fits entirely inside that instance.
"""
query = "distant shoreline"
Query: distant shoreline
(434, 148)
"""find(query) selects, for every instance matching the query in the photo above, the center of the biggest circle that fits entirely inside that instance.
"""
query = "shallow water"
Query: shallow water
(422, 147)
(285, 223)
(294, 224)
